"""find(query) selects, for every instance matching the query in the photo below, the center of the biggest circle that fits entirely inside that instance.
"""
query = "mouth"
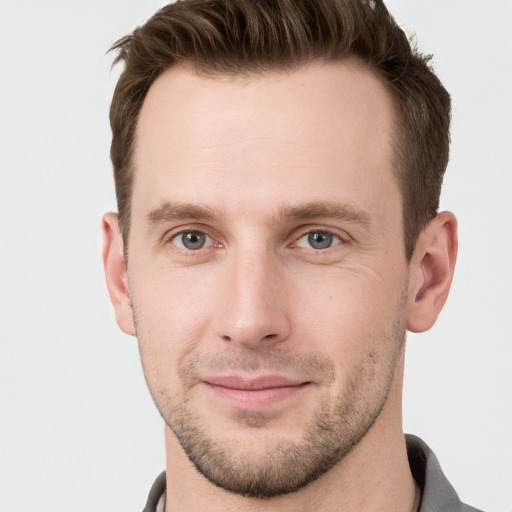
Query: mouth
(254, 393)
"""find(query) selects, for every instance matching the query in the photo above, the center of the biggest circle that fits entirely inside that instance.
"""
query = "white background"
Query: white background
(78, 431)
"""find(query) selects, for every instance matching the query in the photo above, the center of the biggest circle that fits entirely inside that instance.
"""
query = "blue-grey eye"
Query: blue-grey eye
(191, 240)
(318, 240)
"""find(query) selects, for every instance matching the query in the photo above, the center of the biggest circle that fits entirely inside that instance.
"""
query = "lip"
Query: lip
(254, 393)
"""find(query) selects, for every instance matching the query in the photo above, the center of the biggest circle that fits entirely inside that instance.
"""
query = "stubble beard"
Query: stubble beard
(284, 466)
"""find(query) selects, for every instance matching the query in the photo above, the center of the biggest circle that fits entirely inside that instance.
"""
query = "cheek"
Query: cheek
(350, 318)
(171, 317)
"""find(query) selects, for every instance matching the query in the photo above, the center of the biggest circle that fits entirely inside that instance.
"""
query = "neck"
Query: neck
(374, 476)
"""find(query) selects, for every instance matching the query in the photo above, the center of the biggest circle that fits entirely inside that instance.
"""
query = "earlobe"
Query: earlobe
(116, 273)
(432, 268)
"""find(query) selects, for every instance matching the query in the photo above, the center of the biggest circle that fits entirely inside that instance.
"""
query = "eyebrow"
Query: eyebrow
(170, 211)
(325, 210)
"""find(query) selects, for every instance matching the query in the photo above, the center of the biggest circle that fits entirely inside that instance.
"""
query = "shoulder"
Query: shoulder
(156, 493)
(438, 495)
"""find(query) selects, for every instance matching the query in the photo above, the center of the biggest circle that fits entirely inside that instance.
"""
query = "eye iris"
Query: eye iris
(193, 240)
(320, 240)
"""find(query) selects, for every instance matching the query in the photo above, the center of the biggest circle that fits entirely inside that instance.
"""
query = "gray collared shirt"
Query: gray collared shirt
(437, 495)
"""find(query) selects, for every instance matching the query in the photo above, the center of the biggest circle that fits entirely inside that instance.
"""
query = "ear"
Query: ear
(432, 267)
(116, 273)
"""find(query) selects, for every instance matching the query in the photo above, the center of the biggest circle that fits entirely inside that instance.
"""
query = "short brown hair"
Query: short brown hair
(256, 36)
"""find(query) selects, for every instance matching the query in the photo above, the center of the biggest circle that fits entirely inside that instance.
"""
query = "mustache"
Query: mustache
(275, 360)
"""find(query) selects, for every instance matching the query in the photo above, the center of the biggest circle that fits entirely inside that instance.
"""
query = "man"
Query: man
(278, 168)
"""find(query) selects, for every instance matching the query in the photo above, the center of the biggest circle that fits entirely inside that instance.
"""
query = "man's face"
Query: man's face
(267, 269)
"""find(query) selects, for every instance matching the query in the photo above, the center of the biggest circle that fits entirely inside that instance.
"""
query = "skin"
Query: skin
(255, 165)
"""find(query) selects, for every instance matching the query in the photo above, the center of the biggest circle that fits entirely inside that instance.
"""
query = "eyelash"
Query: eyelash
(329, 233)
(171, 239)
(337, 240)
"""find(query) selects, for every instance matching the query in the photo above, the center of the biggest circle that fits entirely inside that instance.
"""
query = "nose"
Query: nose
(253, 311)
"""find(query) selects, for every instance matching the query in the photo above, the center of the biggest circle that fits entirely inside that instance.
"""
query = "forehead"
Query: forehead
(320, 95)
(322, 129)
